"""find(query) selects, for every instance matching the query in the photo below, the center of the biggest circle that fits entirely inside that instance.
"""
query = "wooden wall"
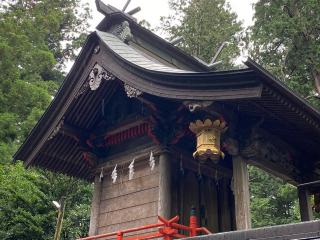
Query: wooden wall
(207, 187)
(212, 199)
(133, 203)
(126, 204)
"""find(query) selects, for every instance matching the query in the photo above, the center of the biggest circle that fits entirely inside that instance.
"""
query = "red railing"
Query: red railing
(167, 229)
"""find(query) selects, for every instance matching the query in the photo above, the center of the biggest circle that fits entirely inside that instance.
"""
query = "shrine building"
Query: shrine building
(159, 131)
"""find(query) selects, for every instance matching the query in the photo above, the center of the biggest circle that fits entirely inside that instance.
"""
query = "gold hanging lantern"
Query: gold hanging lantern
(208, 139)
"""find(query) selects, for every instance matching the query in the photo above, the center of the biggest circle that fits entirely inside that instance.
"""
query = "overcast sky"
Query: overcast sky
(152, 10)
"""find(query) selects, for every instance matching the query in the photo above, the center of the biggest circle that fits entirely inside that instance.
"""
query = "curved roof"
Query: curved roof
(151, 76)
(132, 55)
(252, 89)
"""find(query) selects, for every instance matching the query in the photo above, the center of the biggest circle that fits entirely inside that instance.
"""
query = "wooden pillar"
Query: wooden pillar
(241, 193)
(95, 207)
(165, 169)
(305, 204)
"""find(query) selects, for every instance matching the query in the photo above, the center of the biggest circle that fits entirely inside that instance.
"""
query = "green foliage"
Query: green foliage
(204, 26)
(25, 211)
(273, 201)
(58, 26)
(285, 39)
(78, 198)
(36, 38)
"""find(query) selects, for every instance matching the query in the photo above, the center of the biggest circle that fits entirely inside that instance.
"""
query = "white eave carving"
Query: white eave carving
(131, 91)
(96, 75)
(56, 130)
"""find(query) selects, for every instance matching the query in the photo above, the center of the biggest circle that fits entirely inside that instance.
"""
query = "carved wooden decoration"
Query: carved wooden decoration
(131, 91)
(90, 158)
(126, 134)
(82, 90)
(122, 31)
(197, 105)
(263, 148)
(96, 75)
(168, 129)
(56, 129)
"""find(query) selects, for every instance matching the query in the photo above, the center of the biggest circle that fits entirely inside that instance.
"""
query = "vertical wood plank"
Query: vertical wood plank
(191, 196)
(165, 169)
(181, 197)
(305, 205)
(241, 193)
(211, 206)
(175, 188)
(224, 205)
(95, 207)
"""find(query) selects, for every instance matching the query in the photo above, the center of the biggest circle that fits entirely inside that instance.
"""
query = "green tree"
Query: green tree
(37, 37)
(273, 201)
(204, 26)
(285, 39)
(58, 26)
(25, 211)
(77, 195)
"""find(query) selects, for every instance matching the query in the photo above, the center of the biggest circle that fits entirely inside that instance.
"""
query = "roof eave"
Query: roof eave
(282, 88)
(49, 119)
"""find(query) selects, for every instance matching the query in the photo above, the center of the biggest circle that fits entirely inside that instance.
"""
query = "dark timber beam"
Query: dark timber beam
(73, 132)
(305, 204)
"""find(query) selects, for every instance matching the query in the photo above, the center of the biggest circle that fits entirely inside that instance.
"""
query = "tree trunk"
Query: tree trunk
(316, 77)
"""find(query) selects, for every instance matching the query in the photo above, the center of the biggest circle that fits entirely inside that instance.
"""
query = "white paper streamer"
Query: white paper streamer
(114, 174)
(152, 161)
(131, 169)
(101, 175)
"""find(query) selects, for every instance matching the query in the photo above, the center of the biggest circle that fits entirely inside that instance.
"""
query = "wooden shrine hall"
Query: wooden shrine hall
(159, 131)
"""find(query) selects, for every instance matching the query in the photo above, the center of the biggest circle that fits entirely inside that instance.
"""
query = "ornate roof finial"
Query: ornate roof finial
(122, 31)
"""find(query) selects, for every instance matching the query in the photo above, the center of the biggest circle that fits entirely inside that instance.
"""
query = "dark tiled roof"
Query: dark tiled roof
(128, 53)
